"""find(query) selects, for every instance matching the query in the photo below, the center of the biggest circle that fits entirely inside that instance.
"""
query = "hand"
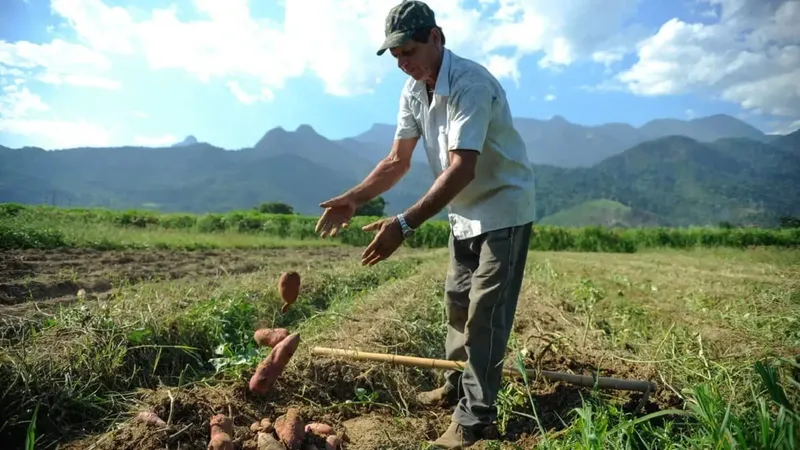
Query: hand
(338, 212)
(388, 239)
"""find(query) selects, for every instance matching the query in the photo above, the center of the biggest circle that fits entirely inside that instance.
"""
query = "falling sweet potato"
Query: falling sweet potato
(266, 441)
(221, 430)
(289, 286)
(272, 366)
(291, 429)
(270, 337)
(322, 430)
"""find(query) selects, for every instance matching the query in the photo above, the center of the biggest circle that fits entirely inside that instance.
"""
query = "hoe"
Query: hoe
(646, 387)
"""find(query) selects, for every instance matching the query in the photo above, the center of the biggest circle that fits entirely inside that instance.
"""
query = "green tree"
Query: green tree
(374, 207)
(275, 208)
(789, 222)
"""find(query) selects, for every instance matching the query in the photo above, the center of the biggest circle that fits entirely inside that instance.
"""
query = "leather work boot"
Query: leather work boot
(441, 396)
(455, 437)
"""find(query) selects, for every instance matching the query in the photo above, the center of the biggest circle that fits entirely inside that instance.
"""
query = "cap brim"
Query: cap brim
(395, 39)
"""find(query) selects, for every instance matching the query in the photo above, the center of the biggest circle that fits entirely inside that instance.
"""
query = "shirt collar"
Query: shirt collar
(442, 87)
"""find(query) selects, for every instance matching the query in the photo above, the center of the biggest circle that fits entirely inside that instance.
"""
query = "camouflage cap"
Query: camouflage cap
(403, 20)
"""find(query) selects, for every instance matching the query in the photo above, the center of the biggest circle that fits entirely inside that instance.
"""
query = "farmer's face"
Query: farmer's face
(417, 59)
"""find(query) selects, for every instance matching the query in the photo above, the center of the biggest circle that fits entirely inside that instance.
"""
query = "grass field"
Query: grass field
(166, 325)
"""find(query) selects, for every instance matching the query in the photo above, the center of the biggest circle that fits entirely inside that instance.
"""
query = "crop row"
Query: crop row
(38, 226)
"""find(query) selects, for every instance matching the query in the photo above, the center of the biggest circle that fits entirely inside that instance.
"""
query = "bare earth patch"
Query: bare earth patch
(52, 277)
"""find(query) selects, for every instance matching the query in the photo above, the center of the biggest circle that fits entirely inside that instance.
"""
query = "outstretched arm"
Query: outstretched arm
(468, 127)
(394, 166)
(386, 174)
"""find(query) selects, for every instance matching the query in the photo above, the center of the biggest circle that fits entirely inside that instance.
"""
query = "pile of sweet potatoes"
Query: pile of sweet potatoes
(288, 432)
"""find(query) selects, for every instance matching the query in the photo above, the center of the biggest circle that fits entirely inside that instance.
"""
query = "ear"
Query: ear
(436, 36)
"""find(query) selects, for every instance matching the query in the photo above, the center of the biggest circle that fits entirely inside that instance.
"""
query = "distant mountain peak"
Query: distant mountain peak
(189, 140)
(306, 129)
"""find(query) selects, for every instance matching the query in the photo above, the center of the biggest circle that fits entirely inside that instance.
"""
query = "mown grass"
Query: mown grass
(716, 328)
(80, 368)
(40, 227)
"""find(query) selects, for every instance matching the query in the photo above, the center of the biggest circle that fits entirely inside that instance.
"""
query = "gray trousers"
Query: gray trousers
(481, 292)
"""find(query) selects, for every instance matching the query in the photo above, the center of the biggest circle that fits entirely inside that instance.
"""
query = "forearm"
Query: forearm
(444, 190)
(385, 175)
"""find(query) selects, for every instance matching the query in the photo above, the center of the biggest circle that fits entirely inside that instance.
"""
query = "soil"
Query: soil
(322, 389)
(51, 277)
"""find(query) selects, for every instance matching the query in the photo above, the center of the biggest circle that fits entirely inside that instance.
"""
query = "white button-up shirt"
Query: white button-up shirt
(469, 111)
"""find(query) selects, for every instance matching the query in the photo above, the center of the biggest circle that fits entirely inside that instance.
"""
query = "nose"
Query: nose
(402, 62)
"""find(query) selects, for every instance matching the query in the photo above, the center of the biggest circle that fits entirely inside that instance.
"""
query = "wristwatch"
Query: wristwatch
(407, 231)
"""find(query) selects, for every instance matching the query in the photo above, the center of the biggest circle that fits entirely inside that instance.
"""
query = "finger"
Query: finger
(328, 203)
(374, 245)
(373, 259)
(326, 228)
(372, 226)
(322, 221)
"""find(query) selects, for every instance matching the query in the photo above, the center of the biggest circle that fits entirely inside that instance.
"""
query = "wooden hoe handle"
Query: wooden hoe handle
(431, 363)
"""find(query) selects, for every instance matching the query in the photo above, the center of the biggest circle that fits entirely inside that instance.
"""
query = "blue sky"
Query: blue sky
(117, 72)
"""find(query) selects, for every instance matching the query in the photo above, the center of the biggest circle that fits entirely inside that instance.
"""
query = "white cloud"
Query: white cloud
(786, 128)
(156, 141)
(18, 115)
(18, 101)
(227, 43)
(248, 99)
(56, 62)
(549, 97)
(58, 133)
(608, 57)
(750, 57)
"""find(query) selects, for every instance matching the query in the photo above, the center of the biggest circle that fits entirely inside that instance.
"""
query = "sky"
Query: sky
(150, 72)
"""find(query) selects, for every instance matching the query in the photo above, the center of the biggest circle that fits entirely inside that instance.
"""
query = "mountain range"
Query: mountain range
(561, 143)
(666, 172)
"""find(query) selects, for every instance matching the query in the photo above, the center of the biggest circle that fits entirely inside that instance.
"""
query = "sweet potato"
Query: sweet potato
(221, 430)
(264, 425)
(270, 337)
(332, 442)
(266, 441)
(319, 429)
(291, 429)
(289, 286)
(150, 418)
(272, 366)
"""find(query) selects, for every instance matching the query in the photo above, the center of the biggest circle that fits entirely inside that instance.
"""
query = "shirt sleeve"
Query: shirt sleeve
(407, 126)
(470, 115)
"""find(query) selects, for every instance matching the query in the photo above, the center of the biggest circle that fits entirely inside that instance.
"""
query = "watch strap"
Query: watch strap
(404, 225)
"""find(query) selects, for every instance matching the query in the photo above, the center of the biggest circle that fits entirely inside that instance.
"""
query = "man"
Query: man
(484, 179)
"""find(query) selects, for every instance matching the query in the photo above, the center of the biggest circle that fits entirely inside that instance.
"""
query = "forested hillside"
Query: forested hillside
(672, 180)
